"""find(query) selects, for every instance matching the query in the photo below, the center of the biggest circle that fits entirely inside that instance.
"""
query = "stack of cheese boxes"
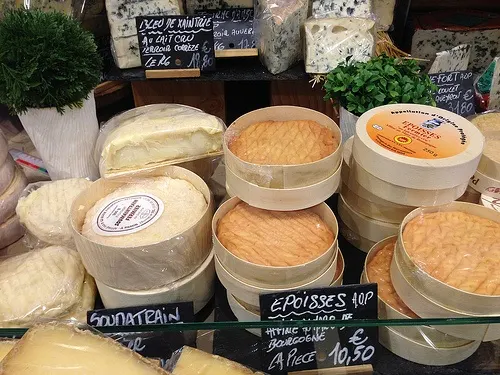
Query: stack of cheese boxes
(276, 233)
(12, 183)
(402, 157)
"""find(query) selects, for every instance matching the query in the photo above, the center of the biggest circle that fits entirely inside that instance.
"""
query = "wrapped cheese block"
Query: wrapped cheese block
(278, 25)
(7, 172)
(10, 231)
(330, 41)
(8, 200)
(342, 8)
(453, 60)
(195, 5)
(121, 17)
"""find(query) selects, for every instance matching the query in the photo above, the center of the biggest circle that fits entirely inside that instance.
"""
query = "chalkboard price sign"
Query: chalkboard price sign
(176, 42)
(307, 348)
(455, 92)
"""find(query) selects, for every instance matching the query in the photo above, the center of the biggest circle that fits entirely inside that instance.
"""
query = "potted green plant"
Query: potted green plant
(49, 67)
(360, 86)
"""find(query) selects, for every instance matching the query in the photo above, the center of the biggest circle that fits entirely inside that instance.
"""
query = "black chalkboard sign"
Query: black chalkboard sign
(148, 344)
(176, 42)
(233, 28)
(307, 348)
(455, 92)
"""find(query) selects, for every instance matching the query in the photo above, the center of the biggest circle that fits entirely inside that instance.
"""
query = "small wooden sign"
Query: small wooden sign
(233, 32)
(308, 348)
(455, 92)
(176, 46)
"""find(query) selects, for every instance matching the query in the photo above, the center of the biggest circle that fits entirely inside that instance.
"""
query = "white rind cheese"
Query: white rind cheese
(384, 12)
(278, 27)
(122, 24)
(57, 348)
(9, 199)
(10, 231)
(330, 41)
(451, 61)
(45, 211)
(342, 8)
(192, 6)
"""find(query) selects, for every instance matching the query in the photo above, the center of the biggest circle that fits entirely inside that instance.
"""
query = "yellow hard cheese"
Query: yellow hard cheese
(5, 347)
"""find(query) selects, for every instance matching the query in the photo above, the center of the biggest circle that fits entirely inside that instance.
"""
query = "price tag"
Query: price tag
(296, 349)
(455, 92)
(176, 42)
(148, 344)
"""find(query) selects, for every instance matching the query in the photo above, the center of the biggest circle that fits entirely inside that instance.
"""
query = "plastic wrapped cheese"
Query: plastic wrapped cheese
(8, 200)
(10, 231)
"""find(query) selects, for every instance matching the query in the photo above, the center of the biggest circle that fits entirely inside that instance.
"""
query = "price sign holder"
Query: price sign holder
(455, 92)
(176, 46)
(233, 32)
(293, 349)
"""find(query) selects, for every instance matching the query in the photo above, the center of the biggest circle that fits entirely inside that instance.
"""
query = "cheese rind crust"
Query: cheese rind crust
(274, 238)
(284, 143)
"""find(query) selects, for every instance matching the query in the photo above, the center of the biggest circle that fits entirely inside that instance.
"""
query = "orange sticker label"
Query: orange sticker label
(417, 134)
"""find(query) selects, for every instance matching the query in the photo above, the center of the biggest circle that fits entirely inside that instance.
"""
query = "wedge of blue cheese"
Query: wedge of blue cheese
(342, 8)
(384, 12)
(330, 41)
(121, 16)
(278, 31)
(192, 6)
(494, 102)
(453, 60)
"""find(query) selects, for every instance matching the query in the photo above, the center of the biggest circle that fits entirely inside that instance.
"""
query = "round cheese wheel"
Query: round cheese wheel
(8, 200)
(10, 231)
(489, 124)
(484, 184)
(7, 172)
(418, 147)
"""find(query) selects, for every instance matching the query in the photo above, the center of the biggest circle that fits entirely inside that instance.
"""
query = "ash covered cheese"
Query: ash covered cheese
(278, 29)
(121, 16)
(342, 8)
(451, 61)
(195, 5)
(384, 12)
(494, 102)
(330, 41)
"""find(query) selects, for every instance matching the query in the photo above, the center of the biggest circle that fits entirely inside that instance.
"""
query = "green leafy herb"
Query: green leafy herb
(361, 86)
(46, 60)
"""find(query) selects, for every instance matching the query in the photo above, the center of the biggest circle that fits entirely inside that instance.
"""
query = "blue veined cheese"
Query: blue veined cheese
(330, 41)
(278, 26)
(194, 5)
(494, 102)
(453, 60)
(342, 8)
(384, 12)
(122, 24)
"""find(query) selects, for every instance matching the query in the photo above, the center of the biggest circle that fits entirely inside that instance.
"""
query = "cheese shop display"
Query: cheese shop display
(146, 231)
(121, 17)
(158, 135)
(67, 349)
(283, 158)
(49, 283)
(278, 29)
(355, 239)
(192, 6)
(451, 61)
(342, 8)
(44, 210)
(330, 41)
(384, 12)
(275, 248)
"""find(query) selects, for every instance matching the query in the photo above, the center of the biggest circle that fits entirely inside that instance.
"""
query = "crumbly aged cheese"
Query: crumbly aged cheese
(278, 26)
(494, 101)
(45, 211)
(5, 347)
(459, 249)
(330, 41)
(274, 238)
(57, 348)
(44, 283)
(147, 137)
(284, 142)
(489, 124)
(7, 172)
(378, 271)
(121, 17)
(10, 231)
(195, 5)
(453, 60)
(8, 200)
(342, 8)
(384, 11)
(157, 209)
(194, 361)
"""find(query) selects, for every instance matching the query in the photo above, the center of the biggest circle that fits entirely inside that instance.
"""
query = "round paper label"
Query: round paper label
(417, 134)
(490, 202)
(128, 215)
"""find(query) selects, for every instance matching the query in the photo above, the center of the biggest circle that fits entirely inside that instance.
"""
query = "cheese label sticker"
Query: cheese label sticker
(126, 215)
(417, 134)
(491, 202)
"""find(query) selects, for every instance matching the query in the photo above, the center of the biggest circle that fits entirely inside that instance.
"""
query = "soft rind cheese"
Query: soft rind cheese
(342, 8)
(196, 5)
(278, 29)
(45, 211)
(330, 41)
(453, 60)
(10, 231)
(122, 24)
(7, 172)
(146, 137)
(9, 199)
(44, 283)
(57, 348)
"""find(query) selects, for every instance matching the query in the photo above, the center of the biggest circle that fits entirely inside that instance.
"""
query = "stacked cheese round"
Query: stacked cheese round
(283, 158)
(486, 180)
(422, 344)
(12, 183)
(147, 239)
(446, 263)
